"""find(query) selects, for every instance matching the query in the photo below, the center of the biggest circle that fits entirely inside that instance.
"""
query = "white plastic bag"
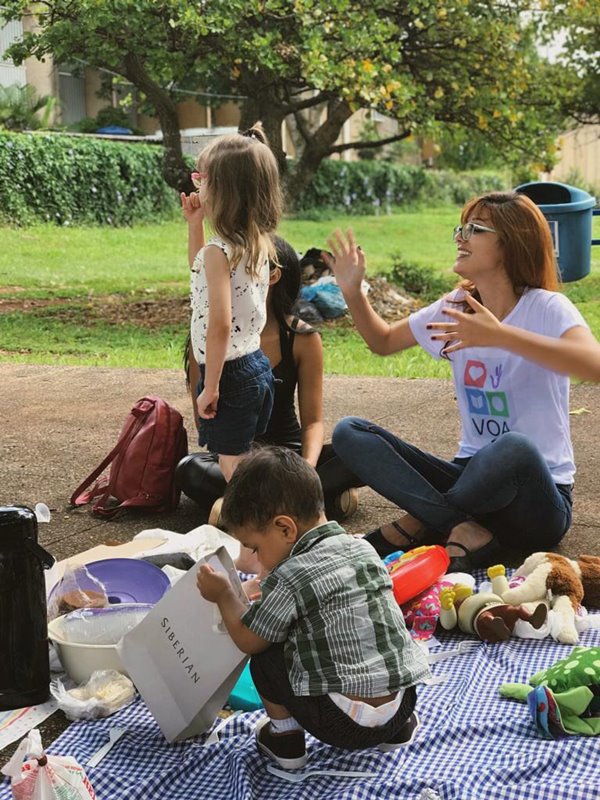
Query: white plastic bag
(76, 589)
(44, 777)
(106, 692)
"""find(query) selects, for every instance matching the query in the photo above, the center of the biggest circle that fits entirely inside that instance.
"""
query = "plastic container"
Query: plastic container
(244, 695)
(80, 660)
(569, 214)
(417, 570)
(101, 625)
(125, 580)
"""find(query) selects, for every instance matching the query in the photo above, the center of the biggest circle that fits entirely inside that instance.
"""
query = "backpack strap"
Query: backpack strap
(81, 497)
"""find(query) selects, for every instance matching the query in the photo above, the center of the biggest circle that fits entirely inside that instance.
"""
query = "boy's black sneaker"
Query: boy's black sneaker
(404, 736)
(286, 749)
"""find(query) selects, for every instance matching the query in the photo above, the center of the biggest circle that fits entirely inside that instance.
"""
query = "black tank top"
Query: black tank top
(284, 428)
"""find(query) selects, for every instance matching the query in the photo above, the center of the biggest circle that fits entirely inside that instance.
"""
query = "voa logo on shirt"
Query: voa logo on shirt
(488, 406)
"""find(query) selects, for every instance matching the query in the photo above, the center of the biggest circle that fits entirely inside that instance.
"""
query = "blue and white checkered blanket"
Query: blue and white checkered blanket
(472, 745)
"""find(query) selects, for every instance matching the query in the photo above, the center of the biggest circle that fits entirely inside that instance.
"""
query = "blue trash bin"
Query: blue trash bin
(569, 214)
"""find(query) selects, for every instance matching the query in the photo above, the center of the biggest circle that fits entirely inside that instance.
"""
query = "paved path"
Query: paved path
(57, 423)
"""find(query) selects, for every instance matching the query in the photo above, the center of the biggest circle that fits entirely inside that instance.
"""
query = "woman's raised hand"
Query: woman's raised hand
(348, 263)
(192, 207)
(480, 329)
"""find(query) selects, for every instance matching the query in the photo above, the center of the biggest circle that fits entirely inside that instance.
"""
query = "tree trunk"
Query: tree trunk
(265, 107)
(316, 149)
(175, 170)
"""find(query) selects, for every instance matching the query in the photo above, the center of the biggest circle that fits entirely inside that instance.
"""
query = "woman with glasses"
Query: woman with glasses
(512, 340)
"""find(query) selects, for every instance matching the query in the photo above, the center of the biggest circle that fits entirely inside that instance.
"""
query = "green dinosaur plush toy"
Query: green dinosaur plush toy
(565, 698)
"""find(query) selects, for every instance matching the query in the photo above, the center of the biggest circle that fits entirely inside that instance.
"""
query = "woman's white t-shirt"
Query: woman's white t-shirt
(248, 305)
(498, 391)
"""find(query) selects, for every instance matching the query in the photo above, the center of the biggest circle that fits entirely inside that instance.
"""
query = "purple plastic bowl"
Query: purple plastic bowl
(129, 580)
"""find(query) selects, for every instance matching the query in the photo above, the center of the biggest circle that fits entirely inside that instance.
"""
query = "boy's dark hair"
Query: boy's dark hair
(272, 481)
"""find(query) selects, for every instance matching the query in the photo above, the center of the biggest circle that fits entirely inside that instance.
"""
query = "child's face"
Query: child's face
(273, 544)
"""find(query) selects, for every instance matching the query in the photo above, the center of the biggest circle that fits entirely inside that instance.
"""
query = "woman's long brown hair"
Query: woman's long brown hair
(523, 236)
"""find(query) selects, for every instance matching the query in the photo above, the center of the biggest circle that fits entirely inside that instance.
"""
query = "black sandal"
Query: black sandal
(384, 547)
(484, 556)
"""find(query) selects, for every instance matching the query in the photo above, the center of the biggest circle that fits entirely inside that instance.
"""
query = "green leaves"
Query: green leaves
(468, 64)
(68, 180)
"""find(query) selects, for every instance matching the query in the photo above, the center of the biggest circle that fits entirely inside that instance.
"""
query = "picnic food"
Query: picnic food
(70, 601)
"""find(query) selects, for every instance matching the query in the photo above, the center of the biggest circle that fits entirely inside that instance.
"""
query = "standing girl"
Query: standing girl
(512, 340)
(295, 352)
(239, 194)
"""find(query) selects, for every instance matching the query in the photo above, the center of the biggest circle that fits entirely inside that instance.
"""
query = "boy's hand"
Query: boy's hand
(206, 403)
(212, 585)
(192, 208)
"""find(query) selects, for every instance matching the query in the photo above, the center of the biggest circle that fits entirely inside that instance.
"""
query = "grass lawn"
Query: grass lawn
(52, 280)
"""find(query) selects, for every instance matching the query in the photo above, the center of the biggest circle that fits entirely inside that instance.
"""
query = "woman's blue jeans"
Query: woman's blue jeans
(506, 486)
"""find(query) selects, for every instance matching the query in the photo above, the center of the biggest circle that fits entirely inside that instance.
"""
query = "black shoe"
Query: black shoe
(404, 736)
(484, 556)
(286, 749)
(384, 547)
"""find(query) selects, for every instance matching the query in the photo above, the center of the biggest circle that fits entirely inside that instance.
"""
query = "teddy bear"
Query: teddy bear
(563, 582)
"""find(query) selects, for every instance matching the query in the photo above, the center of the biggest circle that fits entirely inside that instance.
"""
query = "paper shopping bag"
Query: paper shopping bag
(181, 658)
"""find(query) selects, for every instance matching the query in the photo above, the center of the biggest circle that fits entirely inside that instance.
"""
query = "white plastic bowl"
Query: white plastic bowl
(81, 659)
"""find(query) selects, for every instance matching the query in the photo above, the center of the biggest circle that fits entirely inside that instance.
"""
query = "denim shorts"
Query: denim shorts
(244, 406)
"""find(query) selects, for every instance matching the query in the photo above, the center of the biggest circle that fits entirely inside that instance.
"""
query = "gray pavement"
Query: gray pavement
(57, 423)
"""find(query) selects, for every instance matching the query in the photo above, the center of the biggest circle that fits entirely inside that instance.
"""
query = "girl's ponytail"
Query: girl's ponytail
(256, 132)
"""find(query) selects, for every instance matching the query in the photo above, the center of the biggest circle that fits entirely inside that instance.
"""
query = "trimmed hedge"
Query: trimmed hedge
(71, 180)
(367, 187)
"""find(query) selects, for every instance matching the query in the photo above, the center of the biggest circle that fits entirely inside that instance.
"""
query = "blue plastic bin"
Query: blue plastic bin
(569, 214)
(244, 695)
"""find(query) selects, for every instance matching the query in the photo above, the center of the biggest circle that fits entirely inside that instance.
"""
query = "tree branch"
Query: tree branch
(339, 148)
(292, 108)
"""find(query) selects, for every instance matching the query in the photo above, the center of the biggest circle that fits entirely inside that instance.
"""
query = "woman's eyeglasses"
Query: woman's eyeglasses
(468, 229)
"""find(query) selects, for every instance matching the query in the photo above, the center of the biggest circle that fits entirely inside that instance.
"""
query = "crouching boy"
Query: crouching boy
(330, 651)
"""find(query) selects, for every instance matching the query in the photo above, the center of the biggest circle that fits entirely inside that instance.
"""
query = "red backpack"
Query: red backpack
(152, 442)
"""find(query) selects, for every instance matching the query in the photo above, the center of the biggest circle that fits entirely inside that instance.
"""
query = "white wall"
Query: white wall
(10, 74)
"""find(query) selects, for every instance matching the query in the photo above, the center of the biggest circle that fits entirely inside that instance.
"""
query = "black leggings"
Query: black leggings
(200, 478)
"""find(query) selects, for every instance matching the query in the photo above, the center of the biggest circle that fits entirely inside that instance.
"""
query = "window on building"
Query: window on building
(9, 73)
(71, 93)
